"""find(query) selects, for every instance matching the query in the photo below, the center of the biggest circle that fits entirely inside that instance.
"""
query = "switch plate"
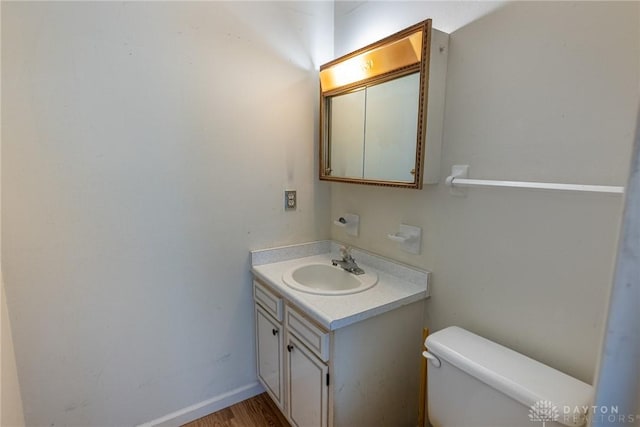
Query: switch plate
(290, 200)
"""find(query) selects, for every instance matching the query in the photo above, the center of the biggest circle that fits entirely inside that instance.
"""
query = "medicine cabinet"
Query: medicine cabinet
(382, 110)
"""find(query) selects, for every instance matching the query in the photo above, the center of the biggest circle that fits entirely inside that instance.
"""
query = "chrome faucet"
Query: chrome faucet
(347, 262)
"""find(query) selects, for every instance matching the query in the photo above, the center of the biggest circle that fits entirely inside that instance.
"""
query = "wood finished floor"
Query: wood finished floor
(259, 411)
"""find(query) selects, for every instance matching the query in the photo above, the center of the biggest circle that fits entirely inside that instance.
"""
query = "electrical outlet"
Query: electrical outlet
(290, 200)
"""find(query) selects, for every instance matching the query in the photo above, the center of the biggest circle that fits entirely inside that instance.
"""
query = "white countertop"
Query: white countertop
(398, 284)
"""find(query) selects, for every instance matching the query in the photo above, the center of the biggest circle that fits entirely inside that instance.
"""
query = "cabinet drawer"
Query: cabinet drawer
(309, 334)
(267, 300)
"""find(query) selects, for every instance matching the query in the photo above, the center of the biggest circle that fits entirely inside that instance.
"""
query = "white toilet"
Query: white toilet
(474, 382)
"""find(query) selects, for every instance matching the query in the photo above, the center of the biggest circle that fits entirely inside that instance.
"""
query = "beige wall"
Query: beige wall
(146, 147)
(148, 144)
(542, 91)
(11, 414)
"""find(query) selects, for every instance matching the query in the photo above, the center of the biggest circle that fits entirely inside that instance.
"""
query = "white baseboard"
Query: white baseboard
(199, 410)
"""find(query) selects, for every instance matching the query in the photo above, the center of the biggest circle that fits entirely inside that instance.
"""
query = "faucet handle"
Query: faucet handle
(345, 251)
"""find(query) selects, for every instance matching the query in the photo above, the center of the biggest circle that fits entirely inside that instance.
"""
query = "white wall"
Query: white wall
(358, 22)
(146, 147)
(540, 91)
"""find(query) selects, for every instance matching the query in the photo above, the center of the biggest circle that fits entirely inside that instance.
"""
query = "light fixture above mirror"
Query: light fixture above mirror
(405, 52)
(375, 104)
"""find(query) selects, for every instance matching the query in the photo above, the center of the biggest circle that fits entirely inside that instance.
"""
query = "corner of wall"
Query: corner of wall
(11, 411)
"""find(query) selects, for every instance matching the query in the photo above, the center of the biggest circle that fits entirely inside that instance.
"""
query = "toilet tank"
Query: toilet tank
(479, 383)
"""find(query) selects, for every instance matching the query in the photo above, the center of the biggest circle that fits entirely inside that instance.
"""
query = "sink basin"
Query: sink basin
(326, 279)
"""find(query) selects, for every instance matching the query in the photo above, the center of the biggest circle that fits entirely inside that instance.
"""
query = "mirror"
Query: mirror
(373, 119)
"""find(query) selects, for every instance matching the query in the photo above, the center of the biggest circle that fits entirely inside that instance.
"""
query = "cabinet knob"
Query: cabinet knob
(289, 348)
(274, 331)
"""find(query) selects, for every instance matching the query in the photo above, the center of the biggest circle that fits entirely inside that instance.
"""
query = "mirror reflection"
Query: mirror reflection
(390, 133)
(346, 132)
(391, 125)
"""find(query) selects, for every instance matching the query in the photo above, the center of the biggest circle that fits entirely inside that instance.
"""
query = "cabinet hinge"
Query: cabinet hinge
(327, 379)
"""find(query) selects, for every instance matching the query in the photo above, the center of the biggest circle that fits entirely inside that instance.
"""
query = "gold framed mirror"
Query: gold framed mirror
(373, 112)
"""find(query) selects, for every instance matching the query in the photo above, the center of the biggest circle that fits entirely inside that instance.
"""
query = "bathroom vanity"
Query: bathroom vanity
(339, 359)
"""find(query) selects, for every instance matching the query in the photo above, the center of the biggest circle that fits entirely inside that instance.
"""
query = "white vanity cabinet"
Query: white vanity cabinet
(306, 370)
(363, 374)
(270, 357)
(307, 386)
(269, 342)
(291, 357)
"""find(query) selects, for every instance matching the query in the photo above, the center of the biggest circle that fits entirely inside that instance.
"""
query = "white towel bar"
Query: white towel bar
(459, 178)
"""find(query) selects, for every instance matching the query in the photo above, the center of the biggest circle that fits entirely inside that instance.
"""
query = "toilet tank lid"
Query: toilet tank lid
(516, 375)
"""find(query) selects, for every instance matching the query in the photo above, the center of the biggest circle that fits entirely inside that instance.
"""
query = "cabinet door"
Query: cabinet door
(269, 354)
(308, 386)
